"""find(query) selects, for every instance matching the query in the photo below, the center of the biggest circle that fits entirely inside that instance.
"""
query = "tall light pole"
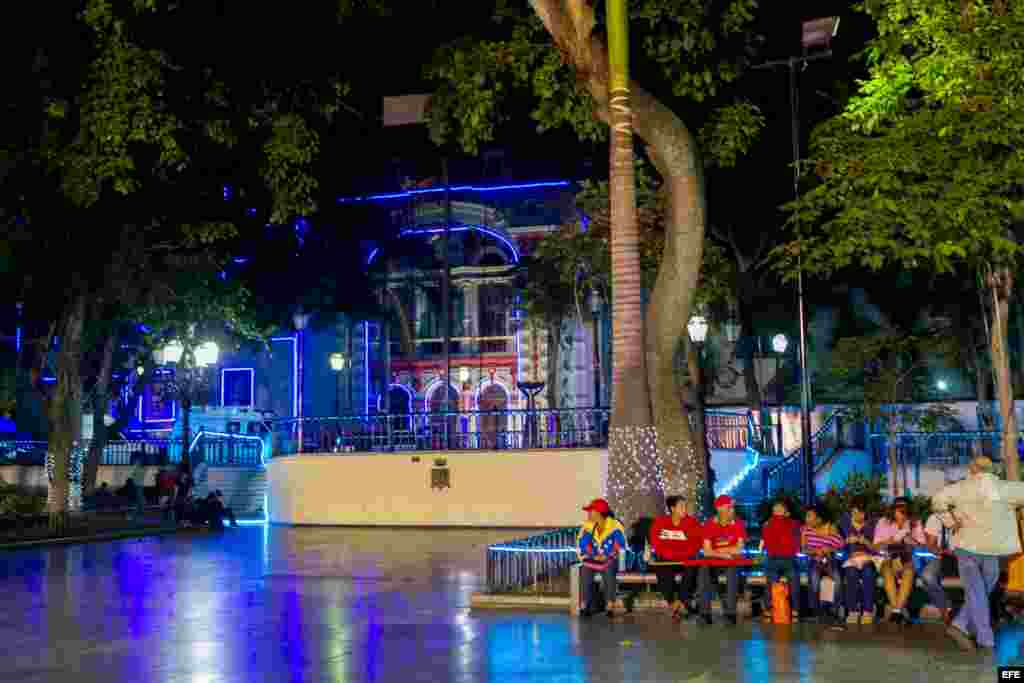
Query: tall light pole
(697, 329)
(817, 33)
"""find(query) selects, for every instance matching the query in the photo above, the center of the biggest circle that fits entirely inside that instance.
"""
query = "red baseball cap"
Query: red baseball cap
(723, 501)
(598, 505)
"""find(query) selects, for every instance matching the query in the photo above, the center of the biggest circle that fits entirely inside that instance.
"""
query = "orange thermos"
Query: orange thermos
(781, 610)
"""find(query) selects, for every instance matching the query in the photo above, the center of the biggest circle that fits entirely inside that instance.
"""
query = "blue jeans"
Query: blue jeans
(979, 574)
(931, 576)
(609, 588)
(815, 572)
(776, 568)
(860, 588)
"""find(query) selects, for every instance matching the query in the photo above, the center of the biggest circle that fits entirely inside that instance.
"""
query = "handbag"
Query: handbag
(1015, 566)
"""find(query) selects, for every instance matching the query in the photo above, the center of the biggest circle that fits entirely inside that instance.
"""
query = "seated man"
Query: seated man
(941, 542)
(723, 539)
(220, 511)
(675, 537)
(898, 534)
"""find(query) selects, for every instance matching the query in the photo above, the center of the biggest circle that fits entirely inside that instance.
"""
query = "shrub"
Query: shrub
(20, 500)
(836, 501)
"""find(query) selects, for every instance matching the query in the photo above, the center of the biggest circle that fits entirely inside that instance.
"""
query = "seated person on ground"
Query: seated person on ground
(218, 512)
(897, 535)
(723, 539)
(780, 540)
(674, 537)
(599, 542)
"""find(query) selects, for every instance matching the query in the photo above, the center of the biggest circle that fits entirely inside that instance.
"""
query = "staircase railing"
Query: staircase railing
(787, 474)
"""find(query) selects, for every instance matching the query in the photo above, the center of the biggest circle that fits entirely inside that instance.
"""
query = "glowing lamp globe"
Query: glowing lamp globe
(698, 329)
(206, 354)
(780, 344)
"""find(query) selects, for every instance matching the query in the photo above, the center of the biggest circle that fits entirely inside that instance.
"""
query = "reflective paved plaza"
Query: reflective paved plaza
(277, 604)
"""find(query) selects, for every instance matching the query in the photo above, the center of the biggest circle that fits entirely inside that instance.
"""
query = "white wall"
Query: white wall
(488, 489)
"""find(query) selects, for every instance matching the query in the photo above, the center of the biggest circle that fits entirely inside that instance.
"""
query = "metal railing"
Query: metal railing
(936, 449)
(216, 452)
(787, 474)
(435, 431)
(537, 564)
(478, 430)
(729, 430)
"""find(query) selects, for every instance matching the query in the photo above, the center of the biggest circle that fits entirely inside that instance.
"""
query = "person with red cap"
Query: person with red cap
(675, 537)
(599, 542)
(723, 539)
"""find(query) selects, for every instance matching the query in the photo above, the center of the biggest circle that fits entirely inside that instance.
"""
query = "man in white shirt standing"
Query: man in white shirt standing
(985, 521)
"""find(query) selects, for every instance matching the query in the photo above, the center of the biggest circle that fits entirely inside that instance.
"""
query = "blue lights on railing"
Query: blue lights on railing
(456, 188)
(734, 483)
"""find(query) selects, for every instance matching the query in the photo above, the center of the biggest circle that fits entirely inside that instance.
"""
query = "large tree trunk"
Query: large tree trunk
(100, 403)
(1000, 283)
(635, 432)
(65, 414)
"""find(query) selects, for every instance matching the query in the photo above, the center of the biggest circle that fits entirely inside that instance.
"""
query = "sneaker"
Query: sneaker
(963, 641)
(867, 618)
(853, 617)
(706, 619)
(730, 619)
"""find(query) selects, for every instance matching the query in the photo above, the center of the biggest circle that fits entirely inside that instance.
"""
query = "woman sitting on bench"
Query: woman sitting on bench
(600, 540)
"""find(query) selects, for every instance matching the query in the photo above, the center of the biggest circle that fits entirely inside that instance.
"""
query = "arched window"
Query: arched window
(493, 404)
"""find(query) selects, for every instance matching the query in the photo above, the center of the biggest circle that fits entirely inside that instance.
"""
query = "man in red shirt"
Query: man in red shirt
(674, 537)
(780, 540)
(723, 539)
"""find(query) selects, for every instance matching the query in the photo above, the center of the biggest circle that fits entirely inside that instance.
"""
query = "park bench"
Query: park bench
(750, 573)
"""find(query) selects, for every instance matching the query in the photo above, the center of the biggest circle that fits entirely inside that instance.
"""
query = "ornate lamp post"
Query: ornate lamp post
(697, 329)
(779, 345)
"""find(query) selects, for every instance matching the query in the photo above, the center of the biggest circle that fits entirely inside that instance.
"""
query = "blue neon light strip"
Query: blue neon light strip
(366, 366)
(744, 473)
(252, 384)
(455, 228)
(552, 551)
(456, 188)
(241, 437)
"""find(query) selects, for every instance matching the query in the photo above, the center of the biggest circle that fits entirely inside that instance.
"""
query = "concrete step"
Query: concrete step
(244, 489)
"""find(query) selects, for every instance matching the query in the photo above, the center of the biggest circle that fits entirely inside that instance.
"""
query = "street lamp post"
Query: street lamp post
(817, 33)
(779, 345)
(339, 362)
(204, 356)
(697, 329)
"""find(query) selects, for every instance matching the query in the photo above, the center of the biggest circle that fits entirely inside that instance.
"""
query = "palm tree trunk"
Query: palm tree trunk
(632, 443)
(642, 439)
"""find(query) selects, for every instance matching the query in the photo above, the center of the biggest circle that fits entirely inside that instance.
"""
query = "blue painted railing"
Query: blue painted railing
(787, 474)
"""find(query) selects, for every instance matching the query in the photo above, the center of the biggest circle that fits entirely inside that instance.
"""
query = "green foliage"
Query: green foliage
(924, 168)
(565, 267)
(686, 47)
(19, 500)
(837, 500)
(887, 372)
(730, 133)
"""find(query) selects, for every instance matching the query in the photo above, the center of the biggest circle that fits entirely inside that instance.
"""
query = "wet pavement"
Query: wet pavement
(280, 604)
